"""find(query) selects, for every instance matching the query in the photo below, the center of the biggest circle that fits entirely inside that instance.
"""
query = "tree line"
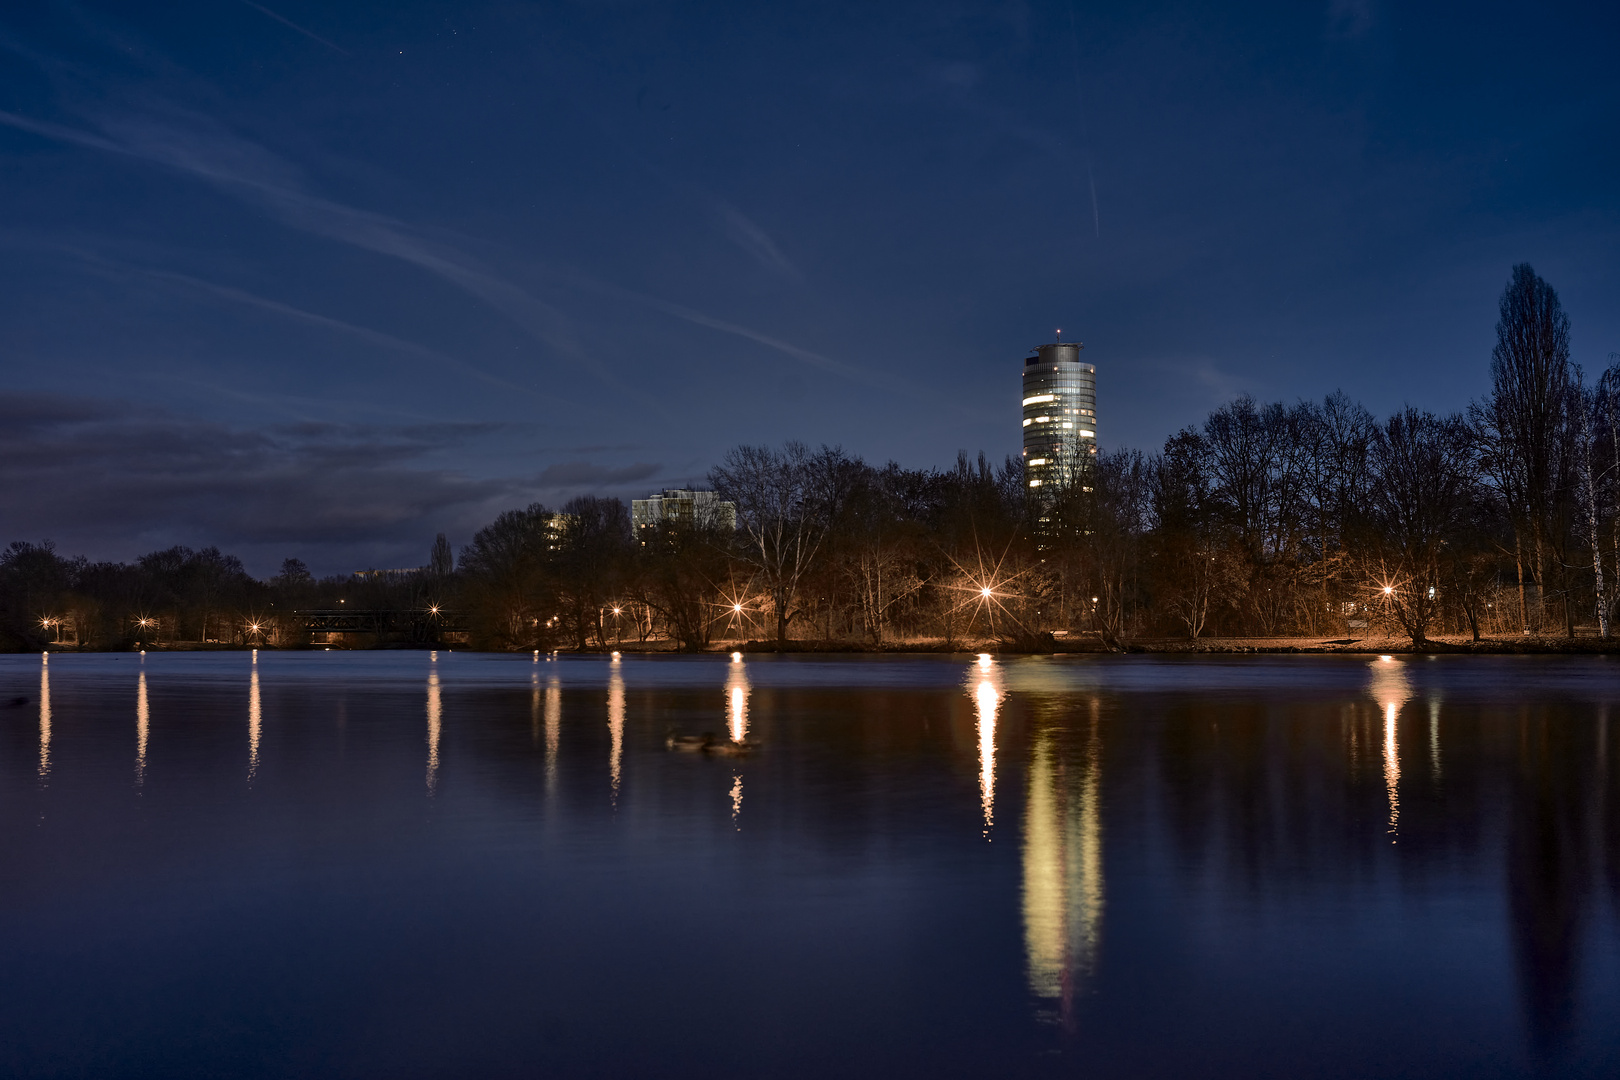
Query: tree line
(1268, 519)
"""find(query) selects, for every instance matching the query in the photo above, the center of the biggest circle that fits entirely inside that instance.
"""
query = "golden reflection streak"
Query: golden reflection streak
(1064, 891)
(534, 709)
(1392, 768)
(1434, 736)
(985, 700)
(434, 724)
(1045, 874)
(255, 723)
(143, 727)
(553, 728)
(1391, 688)
(736, 799)
(615, 726)
(45, 717)
(737, 703)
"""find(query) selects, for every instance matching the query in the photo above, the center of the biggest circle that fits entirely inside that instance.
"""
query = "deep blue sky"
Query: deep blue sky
(323, 280)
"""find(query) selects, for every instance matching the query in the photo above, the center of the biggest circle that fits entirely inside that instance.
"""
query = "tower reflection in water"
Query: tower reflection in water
(553, 729)
(1391, 688)
(615, 725)
(434, 721)
(1063, 888)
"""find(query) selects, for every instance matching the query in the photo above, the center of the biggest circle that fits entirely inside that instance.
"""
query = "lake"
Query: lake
(457, 864)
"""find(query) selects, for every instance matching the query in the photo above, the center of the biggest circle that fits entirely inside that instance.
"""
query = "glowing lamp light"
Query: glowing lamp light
(985, 591)
(616, 611)
(736, 607)
(1388, 589)
(434, 610)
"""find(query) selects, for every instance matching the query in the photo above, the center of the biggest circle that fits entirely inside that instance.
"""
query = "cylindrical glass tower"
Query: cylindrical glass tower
(1060, 418)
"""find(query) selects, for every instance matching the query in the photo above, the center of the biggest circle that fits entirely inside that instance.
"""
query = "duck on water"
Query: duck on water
(706, 743)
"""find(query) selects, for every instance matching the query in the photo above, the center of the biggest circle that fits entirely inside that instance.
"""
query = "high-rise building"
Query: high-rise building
(1060, 417)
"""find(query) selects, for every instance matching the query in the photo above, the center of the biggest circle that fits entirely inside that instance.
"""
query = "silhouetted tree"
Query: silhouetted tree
(1423, 489)
(1525, 423)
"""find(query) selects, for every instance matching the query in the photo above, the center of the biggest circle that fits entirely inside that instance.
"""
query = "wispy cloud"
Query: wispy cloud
(325, 322)
(283, 20)
(113, 479)
(741, 230)
(1207, 380)
(1349, 18)
(577, 474)
(197, 146)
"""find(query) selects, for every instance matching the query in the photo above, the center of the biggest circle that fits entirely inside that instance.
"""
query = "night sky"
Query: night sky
(316, 280)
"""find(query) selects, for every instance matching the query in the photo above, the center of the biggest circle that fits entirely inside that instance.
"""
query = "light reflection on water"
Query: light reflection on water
(255, 723)
(986, 698)
(1199, 873)
(553, 729)
(44, 717)
(1063, 884)
(616, 726)
(1391, 687)
(143, 727)
(737, 703)
(434, 725)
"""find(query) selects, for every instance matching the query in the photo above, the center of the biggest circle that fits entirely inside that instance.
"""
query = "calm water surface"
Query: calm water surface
(403, 864)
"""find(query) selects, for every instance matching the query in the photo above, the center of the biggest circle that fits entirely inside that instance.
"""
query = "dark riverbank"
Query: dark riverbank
(1582, 644)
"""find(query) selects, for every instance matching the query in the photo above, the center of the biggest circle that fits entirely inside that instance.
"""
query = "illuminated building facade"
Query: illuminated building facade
(1060, 418)
(679, 506)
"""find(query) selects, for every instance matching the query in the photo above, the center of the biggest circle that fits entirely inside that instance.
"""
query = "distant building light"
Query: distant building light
(1039, 398)
(1084, 434)
(1038, 461)
(1034, 483)
(1028, 422)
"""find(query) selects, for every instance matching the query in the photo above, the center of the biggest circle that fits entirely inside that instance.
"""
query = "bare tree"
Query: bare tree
(1424, 477)
(441, 561)
(1584, 403)
(508, 563)
(785, 501)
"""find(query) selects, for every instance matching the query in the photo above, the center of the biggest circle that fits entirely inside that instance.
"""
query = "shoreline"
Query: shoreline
(1533, 644)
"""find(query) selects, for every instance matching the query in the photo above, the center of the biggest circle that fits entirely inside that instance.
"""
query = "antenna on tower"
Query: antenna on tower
(1060, 335)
